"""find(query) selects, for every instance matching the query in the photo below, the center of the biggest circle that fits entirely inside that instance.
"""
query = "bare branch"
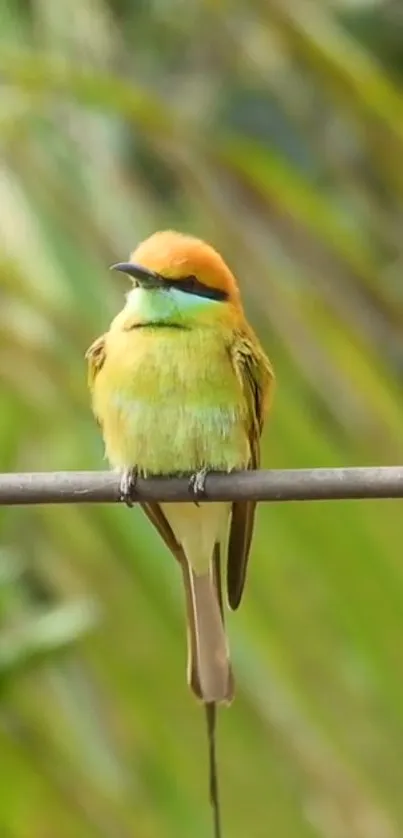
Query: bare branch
(289, 485)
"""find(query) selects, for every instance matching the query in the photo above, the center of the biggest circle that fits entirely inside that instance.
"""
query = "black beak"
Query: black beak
(150, 279)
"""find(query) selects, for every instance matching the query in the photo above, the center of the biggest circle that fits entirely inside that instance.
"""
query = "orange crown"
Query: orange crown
(176, 256)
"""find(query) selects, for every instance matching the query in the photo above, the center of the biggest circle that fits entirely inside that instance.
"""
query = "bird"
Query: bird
(180, 384)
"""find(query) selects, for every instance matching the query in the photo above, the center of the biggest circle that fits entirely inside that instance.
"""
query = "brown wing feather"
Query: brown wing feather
(256, 375)
(95, 356)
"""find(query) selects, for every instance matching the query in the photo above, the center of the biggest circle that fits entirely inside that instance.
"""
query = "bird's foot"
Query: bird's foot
(128, 485)
(197, 484)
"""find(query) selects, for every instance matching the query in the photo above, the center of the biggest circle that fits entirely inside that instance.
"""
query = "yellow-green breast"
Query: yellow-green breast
(169, 401)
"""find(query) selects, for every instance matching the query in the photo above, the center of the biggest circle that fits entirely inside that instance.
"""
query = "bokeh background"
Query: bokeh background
(275, 130)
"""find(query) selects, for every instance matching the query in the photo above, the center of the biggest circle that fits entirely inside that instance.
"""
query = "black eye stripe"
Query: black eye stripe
(191, 285)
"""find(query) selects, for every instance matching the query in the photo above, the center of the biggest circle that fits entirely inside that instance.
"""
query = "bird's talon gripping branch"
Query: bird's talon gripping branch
(197, 484)
(128, 486)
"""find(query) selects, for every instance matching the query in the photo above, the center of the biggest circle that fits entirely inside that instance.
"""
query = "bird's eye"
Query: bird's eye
(191, 283)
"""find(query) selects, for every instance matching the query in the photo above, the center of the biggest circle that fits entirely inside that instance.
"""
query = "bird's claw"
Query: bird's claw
(197, 484)
(128, 485)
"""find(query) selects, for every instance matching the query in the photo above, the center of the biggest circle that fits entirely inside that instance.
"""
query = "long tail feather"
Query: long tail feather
(209, 668)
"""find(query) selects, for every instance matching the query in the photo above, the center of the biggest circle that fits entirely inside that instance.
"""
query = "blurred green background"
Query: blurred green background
(275, 130)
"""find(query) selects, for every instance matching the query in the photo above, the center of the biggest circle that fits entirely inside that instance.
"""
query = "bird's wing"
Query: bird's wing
(95, 356)
(255, 373)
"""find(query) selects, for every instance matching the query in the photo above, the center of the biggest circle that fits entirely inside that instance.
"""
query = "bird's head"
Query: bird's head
(179, 280)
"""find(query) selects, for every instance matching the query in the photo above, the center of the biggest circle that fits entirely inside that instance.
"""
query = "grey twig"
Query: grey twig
(276, 485)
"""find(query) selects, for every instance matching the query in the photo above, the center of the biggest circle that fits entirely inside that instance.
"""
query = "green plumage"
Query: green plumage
(180, 384)
(170, 401)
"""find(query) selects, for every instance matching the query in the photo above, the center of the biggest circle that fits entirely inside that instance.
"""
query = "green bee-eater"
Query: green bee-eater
(180, 384)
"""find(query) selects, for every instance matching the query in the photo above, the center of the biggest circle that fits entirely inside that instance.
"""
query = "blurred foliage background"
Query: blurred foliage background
(275, 130)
